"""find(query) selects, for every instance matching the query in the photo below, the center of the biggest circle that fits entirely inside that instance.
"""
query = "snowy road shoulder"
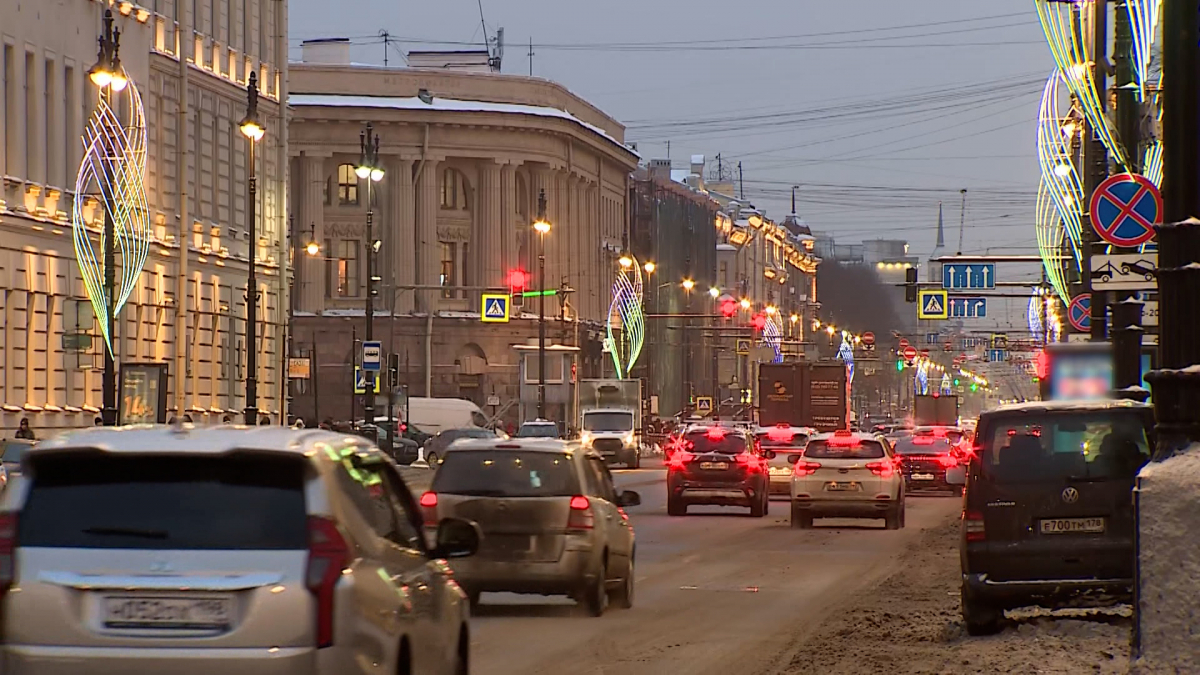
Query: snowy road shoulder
(910, 623)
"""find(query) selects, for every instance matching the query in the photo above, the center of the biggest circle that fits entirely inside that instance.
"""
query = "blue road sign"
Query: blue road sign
(1125, 208)
(932, 304)
(932, 338)
(968, 308)
(372, 355)
(1079, 312)
(996, 355)
(958, 276)
(362, 377)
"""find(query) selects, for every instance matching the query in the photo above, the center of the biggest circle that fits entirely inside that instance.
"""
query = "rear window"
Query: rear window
(822, 449)
(922, 446)
(538, 431)
(1061, 446)
(227, 503)
(702, 441)
(506, 474)
(782, 439)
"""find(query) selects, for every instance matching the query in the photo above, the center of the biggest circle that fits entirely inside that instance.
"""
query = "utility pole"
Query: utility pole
(1095, 165)
(541, 226)
(370, 170)
(741, 182)
(531, 56)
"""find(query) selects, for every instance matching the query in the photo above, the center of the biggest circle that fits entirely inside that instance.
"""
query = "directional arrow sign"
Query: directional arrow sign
(968, 308)
(959, 276)
(1128, 271)
(933, 304)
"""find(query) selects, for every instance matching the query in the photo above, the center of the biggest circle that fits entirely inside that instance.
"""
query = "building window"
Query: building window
(341, 268)
(347, 185)
(448, 265)
(454, 190)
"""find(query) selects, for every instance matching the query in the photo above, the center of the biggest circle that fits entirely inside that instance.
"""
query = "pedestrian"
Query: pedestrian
(23, 430)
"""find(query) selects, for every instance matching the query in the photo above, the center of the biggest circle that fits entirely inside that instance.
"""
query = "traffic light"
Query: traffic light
(956, 381)
(759, 321)
(518, 281)
(974, 387)
(729, 308)
(900, 365)
(910, 284)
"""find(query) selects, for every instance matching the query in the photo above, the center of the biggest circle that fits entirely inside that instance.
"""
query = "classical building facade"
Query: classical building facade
(184, 310)
(466, 154)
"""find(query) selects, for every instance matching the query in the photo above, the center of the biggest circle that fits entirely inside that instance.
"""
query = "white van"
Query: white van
(432, 415)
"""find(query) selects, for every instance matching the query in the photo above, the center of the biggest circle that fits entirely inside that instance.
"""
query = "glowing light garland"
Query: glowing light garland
(846, 355)
(1044, 306)
(1060, 194)
(114, 164)
(773, 336)
(625, 315)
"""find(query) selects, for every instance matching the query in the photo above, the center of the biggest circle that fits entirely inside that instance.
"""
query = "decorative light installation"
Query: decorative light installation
(947, 387)
(921, 381)
(1056, 133)
(846, 355)
(114, 164)
(772, 334)
(1042, 315)
(625, 315)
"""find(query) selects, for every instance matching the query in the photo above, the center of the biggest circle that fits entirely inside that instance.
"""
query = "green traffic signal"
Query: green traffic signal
(900, 366)
(956, 381)
(974, 387)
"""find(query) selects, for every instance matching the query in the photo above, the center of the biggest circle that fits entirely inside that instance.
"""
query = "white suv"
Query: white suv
(847, 475)
(230, 550)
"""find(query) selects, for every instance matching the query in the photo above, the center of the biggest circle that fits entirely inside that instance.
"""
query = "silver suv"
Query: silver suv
(225, 550)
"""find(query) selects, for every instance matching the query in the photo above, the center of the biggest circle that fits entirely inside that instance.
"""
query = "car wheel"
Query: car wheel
(980, 617)
(903, 513)
(801, 520)
(767, 502)
(676, 507)
(891, 520)
(595, 597)
(623, 596)
(637, 461)
(758, 509)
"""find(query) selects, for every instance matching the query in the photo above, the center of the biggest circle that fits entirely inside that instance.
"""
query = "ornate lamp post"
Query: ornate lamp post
(371, 170)
(542, 227)
(254, 131)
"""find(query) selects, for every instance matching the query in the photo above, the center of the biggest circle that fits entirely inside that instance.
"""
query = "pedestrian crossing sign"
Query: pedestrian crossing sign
(494, 308)
(704, 404)
(933, 304)
(361, 377)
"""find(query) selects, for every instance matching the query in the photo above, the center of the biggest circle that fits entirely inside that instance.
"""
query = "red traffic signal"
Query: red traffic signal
(518, 279)
(729, 308)
(759, 321)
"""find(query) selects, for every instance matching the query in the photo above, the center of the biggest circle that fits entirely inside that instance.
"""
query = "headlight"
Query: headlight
(585, 438)
(629, 439)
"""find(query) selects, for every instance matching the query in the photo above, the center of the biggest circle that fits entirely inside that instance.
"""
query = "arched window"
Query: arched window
(454, 190)
(347, 185)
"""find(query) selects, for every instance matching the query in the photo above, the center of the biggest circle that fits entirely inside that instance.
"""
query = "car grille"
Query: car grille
(607, 444)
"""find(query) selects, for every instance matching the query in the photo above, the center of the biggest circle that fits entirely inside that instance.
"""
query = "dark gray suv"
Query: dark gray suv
(1048, 515)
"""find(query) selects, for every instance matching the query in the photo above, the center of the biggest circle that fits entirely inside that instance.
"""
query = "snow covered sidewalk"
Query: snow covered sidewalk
(910, 624)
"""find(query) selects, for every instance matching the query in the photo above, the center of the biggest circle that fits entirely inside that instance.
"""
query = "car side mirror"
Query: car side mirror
(457, 538)
(956, 475)
(794, 459)
(769, 454)
(629, 498)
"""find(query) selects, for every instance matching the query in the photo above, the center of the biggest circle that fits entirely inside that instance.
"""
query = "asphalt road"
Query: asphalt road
(717, 592)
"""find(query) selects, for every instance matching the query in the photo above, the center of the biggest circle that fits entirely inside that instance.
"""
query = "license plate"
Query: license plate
(144, 612)
(719, 466)
(841, 487)
(923, 476)
(1072, 526)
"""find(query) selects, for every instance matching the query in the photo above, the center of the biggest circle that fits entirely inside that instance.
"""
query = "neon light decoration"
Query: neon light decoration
(626, 325)
(846, 355)
(773, 336)
(114, 164)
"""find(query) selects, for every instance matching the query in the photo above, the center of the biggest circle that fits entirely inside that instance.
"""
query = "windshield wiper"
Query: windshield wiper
(126, 532)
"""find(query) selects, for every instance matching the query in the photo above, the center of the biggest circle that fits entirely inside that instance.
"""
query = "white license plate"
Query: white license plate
(923, 476)
(719, 466)
(841, 487)
(179, 613)
(1072, 526)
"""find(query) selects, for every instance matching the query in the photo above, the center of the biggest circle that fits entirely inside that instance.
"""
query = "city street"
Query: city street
(718, 592)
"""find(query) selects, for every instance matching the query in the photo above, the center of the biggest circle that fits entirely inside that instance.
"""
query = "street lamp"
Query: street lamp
(714, 292)
(650, 267)
(626, 262)
(745, 303)
(771, 310)
(542, 227)
(370, 170)
(253, 129)
(688, 285)
(109, 76)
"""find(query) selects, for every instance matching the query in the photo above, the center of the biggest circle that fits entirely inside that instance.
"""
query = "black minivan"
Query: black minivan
(1048, 514)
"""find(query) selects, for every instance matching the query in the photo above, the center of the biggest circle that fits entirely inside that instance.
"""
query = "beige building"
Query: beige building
(466, 151)
(196, 177)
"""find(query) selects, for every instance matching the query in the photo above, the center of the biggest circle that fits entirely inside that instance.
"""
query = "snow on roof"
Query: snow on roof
(444, 105)
(726, 247)
(1067, 405)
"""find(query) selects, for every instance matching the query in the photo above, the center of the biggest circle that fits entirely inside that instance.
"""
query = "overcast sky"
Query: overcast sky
(877, 109)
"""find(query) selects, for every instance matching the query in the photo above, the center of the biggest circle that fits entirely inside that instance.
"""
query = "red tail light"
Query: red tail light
(429, 507)
(715, 433)
(680, 459)
(749, 462)
(581, 517)
(973, 523)
(948, 461)
(429, 500)
(806, 468)
(328, 554)
(8, 545)
(882, 469)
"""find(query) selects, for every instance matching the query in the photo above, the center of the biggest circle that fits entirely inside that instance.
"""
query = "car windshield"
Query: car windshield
(607, 421)
(848, 448)
(1070, 445)
(714, 441)
(922, 445)
(783, 438)
(506, 474)
(14, 452)
(538, 431)
(227, 502)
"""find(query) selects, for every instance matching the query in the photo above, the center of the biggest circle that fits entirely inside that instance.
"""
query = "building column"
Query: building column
(562, 219)
(539, 181)
(574, 239)
(508, 218)
(428, 256)
(487, 230)
(400, 234)
(591, 246)
(312, 224)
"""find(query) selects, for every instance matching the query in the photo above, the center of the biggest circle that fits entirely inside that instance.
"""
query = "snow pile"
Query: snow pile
(1169, 564)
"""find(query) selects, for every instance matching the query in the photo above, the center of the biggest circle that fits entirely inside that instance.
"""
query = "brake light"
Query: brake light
(882, 469)
(715, 433)
(922, 440)
(581, 517)
(973, 523)
(806, 468)
(328, 554)
(680, 459)
(749, 462)
(781, 434)
(846, 441)
(429, 500)
(8, 545)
